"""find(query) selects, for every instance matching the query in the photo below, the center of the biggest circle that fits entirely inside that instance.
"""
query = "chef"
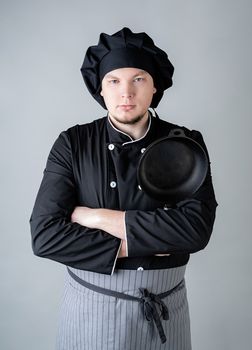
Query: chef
(125, 252)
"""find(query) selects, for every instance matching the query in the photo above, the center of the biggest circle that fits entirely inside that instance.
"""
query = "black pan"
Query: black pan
(172, 168)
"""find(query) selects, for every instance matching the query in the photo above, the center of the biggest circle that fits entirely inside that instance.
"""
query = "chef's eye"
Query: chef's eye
(113, 81)
(138, 79)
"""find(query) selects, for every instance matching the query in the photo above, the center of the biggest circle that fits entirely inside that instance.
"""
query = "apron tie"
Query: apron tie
(150, 311)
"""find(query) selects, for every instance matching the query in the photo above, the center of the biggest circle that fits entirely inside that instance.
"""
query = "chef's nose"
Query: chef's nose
(127, 90)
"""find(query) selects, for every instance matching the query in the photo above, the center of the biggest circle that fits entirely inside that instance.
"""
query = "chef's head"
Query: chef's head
(126, 57)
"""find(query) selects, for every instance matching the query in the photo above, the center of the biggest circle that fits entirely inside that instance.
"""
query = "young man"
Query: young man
(126, 253)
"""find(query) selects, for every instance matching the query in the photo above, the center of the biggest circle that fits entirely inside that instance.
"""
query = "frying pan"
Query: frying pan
(172, 168)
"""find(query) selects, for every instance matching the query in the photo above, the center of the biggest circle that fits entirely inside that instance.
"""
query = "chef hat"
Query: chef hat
(126, 49)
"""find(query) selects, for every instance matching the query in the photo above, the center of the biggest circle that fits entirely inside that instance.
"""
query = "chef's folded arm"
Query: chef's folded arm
(54, 236)
(184, 229)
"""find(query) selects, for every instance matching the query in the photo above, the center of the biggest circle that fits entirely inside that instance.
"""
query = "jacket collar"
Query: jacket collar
(119, 137)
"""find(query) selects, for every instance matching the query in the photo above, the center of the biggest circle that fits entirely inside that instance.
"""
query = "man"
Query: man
(126, 253)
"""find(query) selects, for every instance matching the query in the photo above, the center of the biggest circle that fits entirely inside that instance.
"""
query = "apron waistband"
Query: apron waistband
(148, 300)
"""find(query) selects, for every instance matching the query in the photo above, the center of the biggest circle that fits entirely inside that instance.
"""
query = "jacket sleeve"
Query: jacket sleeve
(54, 236)
(184, 229)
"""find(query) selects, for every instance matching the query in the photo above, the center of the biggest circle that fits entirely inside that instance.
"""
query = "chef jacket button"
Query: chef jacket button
(140, 268)
(111, 146)
(143, 150)
(112, 184)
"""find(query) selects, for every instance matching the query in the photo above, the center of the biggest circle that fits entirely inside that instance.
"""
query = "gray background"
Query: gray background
(42, 93)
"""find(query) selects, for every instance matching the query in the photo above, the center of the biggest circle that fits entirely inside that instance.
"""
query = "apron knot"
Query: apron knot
(150, 304)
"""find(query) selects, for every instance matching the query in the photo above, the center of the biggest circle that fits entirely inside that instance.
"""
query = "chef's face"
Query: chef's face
(127, 93)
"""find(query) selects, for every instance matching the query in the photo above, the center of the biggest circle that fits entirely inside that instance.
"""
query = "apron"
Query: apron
(91, 320)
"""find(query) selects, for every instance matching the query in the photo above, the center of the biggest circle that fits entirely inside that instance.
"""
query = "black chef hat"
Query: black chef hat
(126, 49)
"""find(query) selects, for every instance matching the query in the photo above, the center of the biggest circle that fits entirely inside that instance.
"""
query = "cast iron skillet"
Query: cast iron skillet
(172, 168)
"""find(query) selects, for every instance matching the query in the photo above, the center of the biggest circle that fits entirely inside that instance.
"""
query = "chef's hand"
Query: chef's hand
(111, 221)
(85, 216)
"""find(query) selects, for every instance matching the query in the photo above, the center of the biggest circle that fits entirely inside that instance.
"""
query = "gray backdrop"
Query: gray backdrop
(42, 93)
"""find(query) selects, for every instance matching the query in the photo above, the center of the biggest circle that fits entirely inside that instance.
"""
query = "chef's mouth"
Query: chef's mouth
(126, 107)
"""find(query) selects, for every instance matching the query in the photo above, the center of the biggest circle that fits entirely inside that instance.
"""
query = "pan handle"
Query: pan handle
(176, 133)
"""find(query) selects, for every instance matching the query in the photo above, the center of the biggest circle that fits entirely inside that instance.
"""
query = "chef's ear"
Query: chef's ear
(154, 90)
(101, 93)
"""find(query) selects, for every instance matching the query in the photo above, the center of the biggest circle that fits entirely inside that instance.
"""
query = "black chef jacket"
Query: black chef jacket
(95, 165)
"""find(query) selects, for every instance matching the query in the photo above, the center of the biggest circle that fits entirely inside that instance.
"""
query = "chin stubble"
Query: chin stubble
(136, 120)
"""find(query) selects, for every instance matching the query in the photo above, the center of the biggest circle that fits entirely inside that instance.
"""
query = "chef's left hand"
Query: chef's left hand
(85, 216)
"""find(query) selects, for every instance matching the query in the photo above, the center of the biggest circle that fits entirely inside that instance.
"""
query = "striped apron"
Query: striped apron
(90, 320)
